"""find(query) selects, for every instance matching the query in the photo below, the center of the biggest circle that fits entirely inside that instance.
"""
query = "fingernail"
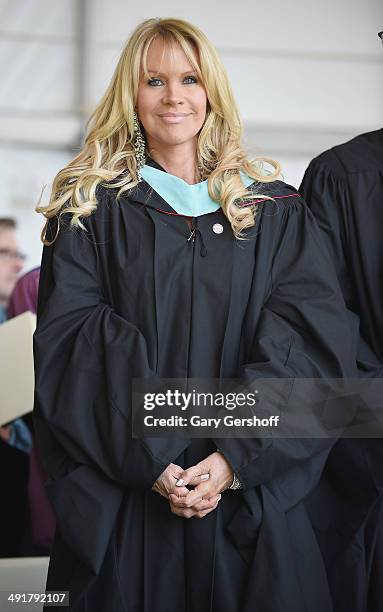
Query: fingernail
(219, 497)
(179, 482)
(205, 476)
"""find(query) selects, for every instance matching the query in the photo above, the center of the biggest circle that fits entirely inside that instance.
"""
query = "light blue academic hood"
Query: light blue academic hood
(185, 199)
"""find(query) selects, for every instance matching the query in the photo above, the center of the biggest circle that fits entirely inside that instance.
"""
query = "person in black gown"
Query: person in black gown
(168, 281)
(344, 189)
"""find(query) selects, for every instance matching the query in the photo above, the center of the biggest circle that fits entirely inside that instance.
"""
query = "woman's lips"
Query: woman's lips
(173, 117)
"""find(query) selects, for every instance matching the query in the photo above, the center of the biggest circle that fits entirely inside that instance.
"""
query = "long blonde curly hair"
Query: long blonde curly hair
(108, 151)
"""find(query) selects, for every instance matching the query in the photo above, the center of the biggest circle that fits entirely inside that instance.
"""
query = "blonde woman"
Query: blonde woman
(168, 253)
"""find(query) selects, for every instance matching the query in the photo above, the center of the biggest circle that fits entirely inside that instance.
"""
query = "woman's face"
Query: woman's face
(172, 102)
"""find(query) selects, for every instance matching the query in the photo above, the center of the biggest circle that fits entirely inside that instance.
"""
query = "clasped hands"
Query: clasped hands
(208, 478)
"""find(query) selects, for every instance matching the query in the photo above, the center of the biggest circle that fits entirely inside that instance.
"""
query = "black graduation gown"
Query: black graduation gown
(134, 297)
(344, 189)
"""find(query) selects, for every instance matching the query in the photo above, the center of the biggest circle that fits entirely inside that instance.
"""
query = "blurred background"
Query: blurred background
(307, 75)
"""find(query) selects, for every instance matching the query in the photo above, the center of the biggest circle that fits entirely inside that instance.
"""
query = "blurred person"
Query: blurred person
(15, 437)
(168, 253)
(11, 262)
(40, 521)
(344, 189)
(24, 294)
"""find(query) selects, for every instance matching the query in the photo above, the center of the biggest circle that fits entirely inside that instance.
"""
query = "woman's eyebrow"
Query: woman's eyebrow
(192, 71)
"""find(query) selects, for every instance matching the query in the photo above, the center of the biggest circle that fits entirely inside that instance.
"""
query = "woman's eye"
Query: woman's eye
(154, 82)
(191, 79)
(157, 82)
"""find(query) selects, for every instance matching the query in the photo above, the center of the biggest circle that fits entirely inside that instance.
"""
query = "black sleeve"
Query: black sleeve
(325, 195)
(303, 332)
(85, 358)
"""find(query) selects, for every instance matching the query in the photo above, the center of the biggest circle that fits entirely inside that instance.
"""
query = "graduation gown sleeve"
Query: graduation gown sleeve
(85, 358)
(302, 333)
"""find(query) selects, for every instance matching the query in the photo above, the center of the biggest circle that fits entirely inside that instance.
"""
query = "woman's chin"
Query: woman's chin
(176, 139)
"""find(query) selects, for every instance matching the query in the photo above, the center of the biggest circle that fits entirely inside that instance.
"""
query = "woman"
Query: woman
(169, 254)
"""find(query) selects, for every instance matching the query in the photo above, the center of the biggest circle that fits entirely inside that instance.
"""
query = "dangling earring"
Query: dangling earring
(201, 171)
(139, 146)
(205, 168)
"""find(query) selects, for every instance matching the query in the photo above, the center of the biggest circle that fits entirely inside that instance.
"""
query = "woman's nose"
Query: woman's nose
(173, 94)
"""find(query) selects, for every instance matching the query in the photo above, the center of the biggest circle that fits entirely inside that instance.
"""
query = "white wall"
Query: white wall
(306, 74)
(24, 172)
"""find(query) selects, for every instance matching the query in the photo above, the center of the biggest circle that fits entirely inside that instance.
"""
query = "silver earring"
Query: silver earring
(139, 146)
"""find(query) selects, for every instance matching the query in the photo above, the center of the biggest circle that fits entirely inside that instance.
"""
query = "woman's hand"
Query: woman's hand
(205, 496)
(165, 483)
(200, 507)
